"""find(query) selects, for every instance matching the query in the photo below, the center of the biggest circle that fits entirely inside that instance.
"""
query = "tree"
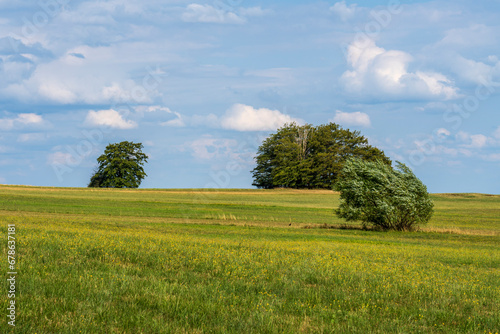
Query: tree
(377, 194)
(121, 166)
(309, 157)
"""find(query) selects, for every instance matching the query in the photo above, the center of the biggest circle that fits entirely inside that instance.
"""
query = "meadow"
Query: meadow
(244, 261)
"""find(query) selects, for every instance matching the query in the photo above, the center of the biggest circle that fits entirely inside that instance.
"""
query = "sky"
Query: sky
(202, 83)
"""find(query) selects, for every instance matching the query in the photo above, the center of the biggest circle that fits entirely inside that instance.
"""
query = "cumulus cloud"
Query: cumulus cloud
(383, 74)
(209, 14)
(343, 11)
(110, 118)
(20, 121)
(354, 118)
(241, 117)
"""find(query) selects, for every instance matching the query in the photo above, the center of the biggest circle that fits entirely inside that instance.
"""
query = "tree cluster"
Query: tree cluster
(309, 157)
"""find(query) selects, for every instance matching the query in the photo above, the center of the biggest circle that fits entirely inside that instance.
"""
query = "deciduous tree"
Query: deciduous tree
(121, 166)
(309, 157)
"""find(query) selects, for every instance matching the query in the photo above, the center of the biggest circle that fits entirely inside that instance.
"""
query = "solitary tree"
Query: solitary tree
(121, 166)
(387, 198)
(309, 157)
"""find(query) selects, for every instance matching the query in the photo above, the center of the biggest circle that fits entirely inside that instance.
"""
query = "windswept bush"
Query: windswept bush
(385, 197)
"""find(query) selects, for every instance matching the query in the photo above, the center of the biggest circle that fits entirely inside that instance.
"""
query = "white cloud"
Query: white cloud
(383, 74)
(20, 121)
(442, 133)
(209, 14)
(241, 117)
(177, 122)
(29, 118)
(355, 118)
(472, 141)
(111, 118)
(343, 11)
(478, 141)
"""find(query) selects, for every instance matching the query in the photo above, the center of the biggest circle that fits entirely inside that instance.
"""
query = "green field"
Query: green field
(244, 261)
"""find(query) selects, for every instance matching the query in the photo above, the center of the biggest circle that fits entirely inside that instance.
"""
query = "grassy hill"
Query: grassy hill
(245, 261)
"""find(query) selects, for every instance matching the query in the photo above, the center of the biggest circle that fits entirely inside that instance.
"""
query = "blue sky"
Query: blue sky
(201, 83)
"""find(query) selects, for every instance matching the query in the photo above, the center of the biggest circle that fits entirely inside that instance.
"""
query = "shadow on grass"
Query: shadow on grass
(341, 227)
(345, 226)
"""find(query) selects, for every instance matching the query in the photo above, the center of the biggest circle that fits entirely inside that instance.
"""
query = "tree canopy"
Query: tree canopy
(121, 166)
(377, 194)
(309, 157)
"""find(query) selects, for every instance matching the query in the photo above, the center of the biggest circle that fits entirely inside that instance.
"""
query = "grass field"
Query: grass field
(244, 261)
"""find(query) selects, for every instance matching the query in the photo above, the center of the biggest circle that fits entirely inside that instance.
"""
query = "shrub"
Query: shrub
(387, 198)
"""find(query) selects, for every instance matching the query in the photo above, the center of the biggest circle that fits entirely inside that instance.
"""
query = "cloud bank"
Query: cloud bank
(382, 74)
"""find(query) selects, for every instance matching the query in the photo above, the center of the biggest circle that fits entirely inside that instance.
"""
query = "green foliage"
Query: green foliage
(375, 193)
(309, 157)
(121, 166)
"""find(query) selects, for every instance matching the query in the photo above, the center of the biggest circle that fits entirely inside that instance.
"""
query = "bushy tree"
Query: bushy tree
(309, 157)
(121, 166)
(375, 193)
